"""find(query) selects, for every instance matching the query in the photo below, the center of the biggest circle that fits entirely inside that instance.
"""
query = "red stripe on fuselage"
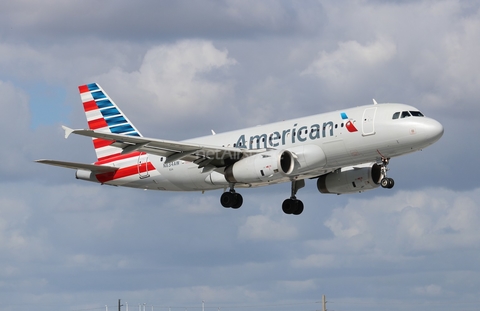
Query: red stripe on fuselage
(125, 172)
(90, 105)
(116, 157)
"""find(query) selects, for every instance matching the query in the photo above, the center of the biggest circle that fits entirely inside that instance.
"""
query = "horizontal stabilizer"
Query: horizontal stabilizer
(80, 166)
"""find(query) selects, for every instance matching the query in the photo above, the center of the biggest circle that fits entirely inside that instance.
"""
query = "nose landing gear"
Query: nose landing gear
(386, 182)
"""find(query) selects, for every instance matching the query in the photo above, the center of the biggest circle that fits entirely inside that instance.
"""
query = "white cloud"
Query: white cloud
(461, 61)
(203, 205)
(66, 65)
(429, 290)
(174, 82)
(315, 261)
(13, 217)
(14, 121)
(92, 262)
(18, 241)
(387, 228)
(297, 286)
(351, 61)
(173, 74)
(262, 227)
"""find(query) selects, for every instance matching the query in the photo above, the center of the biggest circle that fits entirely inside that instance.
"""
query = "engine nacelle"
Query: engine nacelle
(351, 179)
(86, 175)
(266, 166)
(307, 158)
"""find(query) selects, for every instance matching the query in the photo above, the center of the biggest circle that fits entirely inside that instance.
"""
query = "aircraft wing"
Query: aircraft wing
(203, 155)
(80, 166)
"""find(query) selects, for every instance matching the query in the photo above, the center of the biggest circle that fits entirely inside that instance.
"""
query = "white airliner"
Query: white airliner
(347, 151)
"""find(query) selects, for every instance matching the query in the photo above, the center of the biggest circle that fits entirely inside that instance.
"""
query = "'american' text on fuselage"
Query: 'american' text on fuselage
(287, 136)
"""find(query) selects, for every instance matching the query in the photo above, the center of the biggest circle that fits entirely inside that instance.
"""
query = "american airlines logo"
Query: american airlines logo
(349, 125)
(294, 134)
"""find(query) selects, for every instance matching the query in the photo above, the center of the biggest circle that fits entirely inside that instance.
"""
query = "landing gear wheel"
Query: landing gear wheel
(227, 199)
(237, 200)
(387, 183)
(298, 207)
(292, 206)
(231, 199)
(391, 183)
(287, 206)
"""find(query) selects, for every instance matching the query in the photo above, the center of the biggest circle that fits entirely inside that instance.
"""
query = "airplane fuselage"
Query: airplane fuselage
(364, 134)
(347, 151)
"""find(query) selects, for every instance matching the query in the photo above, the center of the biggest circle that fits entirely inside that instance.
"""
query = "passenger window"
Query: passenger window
(417, 114)
(396, 115)
(405, 114)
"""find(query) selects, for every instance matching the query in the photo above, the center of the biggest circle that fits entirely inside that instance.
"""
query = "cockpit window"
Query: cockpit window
(416, 114)
(406, 114)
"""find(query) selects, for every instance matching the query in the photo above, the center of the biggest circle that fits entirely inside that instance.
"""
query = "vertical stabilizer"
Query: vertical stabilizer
(104, 116)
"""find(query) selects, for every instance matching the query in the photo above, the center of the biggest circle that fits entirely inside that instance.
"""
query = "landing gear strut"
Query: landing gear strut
(386, 182)
(231, 198)
(292, 205)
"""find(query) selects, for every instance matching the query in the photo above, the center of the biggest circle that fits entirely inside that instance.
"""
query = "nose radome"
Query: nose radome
(434, 130)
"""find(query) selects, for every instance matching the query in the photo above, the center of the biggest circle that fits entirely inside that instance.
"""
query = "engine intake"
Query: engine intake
(351, 179)
(266, 166)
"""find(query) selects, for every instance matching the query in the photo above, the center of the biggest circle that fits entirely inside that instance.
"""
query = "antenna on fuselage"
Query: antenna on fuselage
(375, 102)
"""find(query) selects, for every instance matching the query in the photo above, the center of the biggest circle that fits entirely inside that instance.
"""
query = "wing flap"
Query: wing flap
(80, 166)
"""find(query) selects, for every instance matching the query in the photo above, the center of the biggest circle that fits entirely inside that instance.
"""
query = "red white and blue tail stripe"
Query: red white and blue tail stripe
(103, 115)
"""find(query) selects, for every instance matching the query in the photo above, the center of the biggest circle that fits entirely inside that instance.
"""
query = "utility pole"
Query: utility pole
(324, 303)
(120, 305)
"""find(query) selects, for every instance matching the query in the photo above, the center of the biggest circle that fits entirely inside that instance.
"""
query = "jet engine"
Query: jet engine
(85, 175)
(266, 166)
(351, 179)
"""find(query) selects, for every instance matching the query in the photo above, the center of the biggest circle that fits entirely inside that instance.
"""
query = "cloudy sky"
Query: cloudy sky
(181, 68)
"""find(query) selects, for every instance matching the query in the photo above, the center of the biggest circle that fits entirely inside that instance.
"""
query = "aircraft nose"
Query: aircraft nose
(433, 129)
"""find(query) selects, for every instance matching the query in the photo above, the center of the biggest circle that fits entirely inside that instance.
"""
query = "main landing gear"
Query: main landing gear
(386, 182)
(290, 206)
(231, 198)
(293, 205)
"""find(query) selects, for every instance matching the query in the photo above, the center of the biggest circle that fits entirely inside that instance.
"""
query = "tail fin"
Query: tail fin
(103, 115)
